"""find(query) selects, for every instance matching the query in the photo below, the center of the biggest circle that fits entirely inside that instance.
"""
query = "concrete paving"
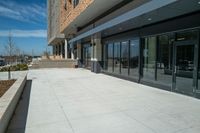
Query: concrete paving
(78, 101)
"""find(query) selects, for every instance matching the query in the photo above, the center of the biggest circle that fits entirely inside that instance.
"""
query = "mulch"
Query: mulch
(5, 85)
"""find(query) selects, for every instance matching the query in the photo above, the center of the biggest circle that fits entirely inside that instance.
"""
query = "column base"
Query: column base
(96, 66)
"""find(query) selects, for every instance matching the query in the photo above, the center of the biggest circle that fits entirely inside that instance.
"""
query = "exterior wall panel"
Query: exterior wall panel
(70, 13)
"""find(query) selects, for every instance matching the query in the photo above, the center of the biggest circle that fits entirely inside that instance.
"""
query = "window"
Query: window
(110, 57)
(199, 71)
(134, 58)
(149, 58)
(87, 55)
(124, 57)
(105, 57)
(65, 4)
(117, 57)
(164, 60)
(191, 35)
(75, 3)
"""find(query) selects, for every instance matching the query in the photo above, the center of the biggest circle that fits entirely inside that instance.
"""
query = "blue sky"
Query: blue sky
(26, 19)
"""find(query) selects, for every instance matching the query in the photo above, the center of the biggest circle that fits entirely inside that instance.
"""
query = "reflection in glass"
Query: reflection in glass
(189, 35)
(87, 55)
(117, 57)
(199, 70)
(149, 58)
(110, 57)
(134, 56)
(164, 62)
(124, 57)
(184, 67)
(105, 57)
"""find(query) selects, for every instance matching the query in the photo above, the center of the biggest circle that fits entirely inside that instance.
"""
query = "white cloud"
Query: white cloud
(24, 33)
(28, 13)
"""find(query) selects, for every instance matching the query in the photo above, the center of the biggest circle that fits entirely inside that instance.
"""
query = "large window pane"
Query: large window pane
(105, 57)
(87, 55)
(117, 57)
(149, 58)
(199, 71)
(164, 62)
(124, 57)
(134, 57)
(110, 57)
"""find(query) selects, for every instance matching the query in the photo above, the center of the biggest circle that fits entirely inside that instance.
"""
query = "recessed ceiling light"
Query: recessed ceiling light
(199, 2)
(149, 19)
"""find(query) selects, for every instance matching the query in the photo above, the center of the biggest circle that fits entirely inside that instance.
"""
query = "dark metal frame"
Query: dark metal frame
(185, 43)
(196, 59)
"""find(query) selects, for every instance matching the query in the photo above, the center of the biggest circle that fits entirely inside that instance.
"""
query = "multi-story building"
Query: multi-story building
(153, 42)
(55, 38)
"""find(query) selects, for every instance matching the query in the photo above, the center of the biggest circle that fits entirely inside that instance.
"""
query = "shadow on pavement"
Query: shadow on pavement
(19, 119)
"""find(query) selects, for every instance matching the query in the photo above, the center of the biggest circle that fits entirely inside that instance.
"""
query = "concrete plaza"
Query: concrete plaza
(78, 101)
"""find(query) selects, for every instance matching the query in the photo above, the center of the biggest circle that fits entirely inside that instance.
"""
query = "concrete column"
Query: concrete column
(96, 53)
(66, 49)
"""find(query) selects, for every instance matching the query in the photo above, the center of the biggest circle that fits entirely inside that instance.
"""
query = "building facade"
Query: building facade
(55, 38)
(152, 42)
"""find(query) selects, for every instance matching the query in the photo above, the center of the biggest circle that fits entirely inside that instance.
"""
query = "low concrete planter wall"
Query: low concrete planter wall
(57, 63)
(9, 101)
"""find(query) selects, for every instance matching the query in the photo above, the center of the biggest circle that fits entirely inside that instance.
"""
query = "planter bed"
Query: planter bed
(5, 85)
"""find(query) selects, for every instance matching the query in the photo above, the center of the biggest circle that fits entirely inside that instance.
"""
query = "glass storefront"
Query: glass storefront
(110, 57)
(164, 60)
(149, 58)
(134, 58)
(117, 57)
(199, 70)
(124, 57)
(87, 55)
(184, 68)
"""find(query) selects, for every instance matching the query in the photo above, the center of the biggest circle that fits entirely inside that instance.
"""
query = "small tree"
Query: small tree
(10, 49)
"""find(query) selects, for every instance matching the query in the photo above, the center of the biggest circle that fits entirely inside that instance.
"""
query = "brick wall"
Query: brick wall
(69, 14)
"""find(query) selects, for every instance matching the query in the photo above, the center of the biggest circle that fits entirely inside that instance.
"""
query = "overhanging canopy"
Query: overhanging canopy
(145, 8)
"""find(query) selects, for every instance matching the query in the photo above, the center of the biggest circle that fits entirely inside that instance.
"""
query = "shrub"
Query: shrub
(18, 67)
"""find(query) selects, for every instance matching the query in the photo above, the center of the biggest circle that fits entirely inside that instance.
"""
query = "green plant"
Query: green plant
(18, 67)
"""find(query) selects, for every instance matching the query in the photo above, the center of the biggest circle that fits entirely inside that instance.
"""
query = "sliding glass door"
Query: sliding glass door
(199, 70)
(87, 55)
(149, 58)
(134, 58)
(164, 60)
(117, 57)
(184, 67)
(110, 57)
(124, 57)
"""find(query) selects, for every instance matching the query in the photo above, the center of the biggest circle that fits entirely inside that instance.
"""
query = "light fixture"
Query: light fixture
(199, 2)
(149, 19)
(120, 28)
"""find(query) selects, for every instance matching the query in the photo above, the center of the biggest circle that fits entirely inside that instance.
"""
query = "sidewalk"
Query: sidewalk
(78, 101)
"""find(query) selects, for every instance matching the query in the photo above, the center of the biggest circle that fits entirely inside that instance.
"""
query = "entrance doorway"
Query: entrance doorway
(87, 56)
(184, 67)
